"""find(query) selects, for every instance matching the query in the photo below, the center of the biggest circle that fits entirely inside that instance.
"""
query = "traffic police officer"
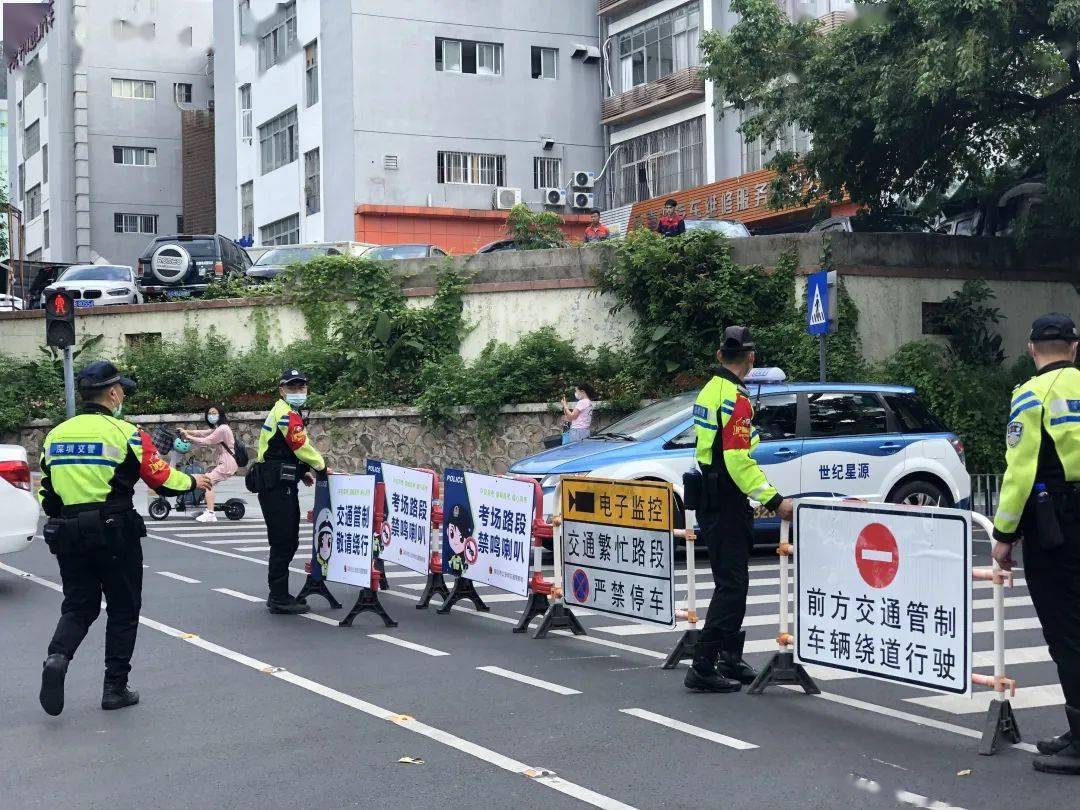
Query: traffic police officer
(723, 419)
(286, 457)
(89, 466)
(1040, 503)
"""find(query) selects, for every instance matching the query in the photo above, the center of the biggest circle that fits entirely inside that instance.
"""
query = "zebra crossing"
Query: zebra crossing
(1027, 657)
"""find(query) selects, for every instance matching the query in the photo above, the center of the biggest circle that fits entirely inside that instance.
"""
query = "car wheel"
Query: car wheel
(920, 493)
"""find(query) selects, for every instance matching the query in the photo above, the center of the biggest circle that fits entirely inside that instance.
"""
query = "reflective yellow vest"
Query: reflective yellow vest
(283, 436)
(1045, 408)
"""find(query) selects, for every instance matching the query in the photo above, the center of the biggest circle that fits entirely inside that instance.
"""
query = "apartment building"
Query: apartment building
(658, 108)
(399, 120)
(97, 88)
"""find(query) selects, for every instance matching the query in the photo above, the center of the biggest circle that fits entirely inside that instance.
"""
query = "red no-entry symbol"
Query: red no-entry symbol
(877, 556)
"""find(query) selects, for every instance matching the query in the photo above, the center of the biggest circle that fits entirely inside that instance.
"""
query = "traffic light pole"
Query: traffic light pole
(69, 380)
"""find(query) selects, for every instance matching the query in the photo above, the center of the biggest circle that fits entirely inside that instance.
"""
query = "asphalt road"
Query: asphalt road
(244, 709)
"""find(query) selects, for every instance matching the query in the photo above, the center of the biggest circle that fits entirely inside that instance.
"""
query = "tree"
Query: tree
(910, 97)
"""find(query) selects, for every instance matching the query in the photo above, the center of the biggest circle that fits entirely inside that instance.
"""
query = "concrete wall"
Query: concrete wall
(889, 277)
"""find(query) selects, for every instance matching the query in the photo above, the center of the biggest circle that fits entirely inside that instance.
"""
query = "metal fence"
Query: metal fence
(984, 493)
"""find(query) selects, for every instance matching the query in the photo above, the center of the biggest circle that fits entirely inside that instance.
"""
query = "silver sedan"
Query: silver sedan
(97, 285)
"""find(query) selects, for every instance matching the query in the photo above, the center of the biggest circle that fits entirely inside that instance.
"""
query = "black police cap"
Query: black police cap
(1054, 326)
(292, 375)
(737, 339)
(101, 374)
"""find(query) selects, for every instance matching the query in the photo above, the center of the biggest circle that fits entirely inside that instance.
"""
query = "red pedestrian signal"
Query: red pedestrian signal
(59, 319)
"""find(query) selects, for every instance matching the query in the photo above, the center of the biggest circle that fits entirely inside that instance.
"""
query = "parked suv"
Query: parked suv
(878, 442)
(179, 266)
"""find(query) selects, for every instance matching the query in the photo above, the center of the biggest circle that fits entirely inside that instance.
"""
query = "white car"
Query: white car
(17, 504)
(97, 285)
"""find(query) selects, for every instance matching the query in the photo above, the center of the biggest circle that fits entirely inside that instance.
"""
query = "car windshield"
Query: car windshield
(398, 252)
(652, 420)
(733, 230)
(99, 273)
(288, 255)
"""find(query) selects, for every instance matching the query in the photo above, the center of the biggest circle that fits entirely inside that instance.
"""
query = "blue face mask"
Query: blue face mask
(296, 400)
(212, 419)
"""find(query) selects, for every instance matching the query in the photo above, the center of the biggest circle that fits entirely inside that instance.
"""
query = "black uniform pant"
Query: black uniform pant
(1053, 579)
(728, 534)
(87, 576)
(281, 511)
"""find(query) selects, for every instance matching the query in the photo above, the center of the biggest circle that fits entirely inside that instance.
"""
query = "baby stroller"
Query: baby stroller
(168, 443)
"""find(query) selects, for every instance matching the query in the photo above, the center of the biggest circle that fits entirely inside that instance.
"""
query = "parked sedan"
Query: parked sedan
(97, 285)
(274, 261)
(17, 504)
(732, 229)
(395, 252)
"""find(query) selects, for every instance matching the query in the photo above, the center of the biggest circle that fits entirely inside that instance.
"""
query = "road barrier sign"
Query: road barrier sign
(322, 545)
(406, 534)
(618, 551)
(352, 503)
(885, 591)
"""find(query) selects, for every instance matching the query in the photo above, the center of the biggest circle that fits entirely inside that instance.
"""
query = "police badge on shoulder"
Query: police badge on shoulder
(1013, 433)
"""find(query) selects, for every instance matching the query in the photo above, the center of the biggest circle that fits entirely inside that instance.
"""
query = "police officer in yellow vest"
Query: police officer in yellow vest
(286, 457)
(1040, 504)
(89, 466)
(723, 419)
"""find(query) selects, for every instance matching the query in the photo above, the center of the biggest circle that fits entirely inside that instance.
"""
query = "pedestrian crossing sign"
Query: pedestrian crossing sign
(821, 303)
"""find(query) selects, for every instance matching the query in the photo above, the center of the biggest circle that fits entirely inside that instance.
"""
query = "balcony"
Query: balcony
(674, 90)
(619, 7)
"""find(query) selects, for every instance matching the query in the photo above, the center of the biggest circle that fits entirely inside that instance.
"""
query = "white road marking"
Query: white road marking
(1028, 697)
(915, 800)
(233, 541)
(245, 596)
(263, 547)
(517, 676)
(318, 617)
(216, 532)
(686, 728)
(408, 645)
(541, 776)
(178, 577)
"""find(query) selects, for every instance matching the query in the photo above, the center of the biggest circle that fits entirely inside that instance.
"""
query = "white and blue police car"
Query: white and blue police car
(871, 441)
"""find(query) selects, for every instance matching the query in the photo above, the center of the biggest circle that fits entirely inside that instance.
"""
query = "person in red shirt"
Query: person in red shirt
(597, 231)
(672, 222)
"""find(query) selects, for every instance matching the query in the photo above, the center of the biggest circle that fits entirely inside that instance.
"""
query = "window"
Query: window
(659, 163)
(44, 164)
(135, 155)
(243, 16)
(843, 414)
(311, 73)
(134, 88)
(33, 203)
(247, 209)
(45, 229)
(277, 141)
(283, 232)
(545, 63)
(135, 223)
(466, 167)
(31, 140)
(245, 113)
(18, 112)
(757, 153)
(22, 180)
(274, 45)
(463, 56)
(312, 184)
(44, 100)
(659, 47)
(182, 92)
(547, 172)
(774, 416)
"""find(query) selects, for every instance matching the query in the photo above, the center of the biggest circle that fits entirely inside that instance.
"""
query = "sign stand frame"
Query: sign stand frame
(317, 587)
(558, 615)
(537, 605)
(782, 668)
(368, 600)
(463, 589)
(436, 581)
(687, 645)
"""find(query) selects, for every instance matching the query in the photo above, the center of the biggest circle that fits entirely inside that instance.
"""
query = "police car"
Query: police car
(877, 442)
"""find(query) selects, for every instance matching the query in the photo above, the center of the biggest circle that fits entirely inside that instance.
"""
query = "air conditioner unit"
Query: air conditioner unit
(505, 198)
(583, 179)
(554, 196)
(583, 199)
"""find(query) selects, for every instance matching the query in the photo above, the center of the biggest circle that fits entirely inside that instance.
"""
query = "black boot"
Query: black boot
(53, 671)
(1067, 760)
(731, 663)
(702, 675)
(1054, 745)
(117, 696)
(289, 606)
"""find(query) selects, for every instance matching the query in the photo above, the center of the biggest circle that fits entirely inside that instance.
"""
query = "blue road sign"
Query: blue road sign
(820, 306)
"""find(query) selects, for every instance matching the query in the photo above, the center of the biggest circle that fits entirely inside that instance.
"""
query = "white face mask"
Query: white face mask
(579, 395)
(296, 400)
(212, 419)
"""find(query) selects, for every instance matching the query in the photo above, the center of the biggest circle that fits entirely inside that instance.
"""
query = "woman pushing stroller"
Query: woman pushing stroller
(221, 435)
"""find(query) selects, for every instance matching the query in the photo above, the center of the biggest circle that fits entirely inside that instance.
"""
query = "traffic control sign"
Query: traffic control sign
(877, 556)
(821, 302)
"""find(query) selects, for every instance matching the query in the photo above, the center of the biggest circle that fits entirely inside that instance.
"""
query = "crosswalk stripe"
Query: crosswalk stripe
(1028, 697)
(686, 728)
(189, 534)
(263, 547)
(245, 596)
(232, 541)
(531, 681)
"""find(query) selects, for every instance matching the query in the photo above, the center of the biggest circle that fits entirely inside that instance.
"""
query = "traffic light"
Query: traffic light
(59, 319)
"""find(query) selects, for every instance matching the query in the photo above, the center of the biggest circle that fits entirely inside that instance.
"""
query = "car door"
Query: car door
(848, 449)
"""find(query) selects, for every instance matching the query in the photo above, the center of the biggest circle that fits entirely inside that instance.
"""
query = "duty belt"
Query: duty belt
(108, 508)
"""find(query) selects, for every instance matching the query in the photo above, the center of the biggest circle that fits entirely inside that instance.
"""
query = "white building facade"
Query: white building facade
(94, 138)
